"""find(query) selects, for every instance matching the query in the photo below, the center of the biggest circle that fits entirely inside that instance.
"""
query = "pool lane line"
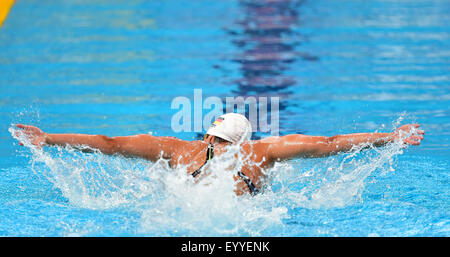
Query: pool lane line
(5, 6)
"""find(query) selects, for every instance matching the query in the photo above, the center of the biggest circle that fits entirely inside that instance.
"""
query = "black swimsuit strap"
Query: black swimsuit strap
(253, 189)
(210, 154)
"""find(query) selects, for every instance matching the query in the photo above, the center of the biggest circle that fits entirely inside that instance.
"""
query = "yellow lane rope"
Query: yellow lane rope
(5, 6)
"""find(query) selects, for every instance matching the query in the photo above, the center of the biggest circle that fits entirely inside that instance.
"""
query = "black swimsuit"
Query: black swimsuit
(210, 154)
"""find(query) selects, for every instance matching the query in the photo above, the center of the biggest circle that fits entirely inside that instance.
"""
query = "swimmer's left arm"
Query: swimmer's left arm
(295, 146)
(143, 146)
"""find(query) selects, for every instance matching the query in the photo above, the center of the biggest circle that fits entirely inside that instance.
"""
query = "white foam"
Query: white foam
(171, 203)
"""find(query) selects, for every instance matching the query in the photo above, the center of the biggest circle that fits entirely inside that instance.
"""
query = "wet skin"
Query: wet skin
(258, 155)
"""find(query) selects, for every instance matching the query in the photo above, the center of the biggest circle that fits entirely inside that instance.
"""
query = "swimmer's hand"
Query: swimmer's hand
(33, 134)
(409, 134)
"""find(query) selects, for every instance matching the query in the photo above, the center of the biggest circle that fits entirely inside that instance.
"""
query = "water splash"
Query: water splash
(170, 202)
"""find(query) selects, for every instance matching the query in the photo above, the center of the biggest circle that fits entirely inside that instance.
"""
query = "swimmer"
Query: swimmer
(229, 129)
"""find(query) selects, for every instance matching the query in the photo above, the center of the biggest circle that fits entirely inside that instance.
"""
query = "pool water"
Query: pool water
(114, 67)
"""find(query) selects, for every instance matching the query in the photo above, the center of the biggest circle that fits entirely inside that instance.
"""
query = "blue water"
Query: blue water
(113, 68)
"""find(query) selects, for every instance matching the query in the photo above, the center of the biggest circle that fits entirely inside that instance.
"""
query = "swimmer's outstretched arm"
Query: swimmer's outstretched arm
(143, 146)
(296, 146)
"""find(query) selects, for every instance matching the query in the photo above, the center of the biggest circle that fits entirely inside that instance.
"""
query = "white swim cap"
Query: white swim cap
(232, 127)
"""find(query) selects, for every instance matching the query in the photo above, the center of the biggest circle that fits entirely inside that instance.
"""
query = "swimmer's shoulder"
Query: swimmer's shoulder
(262, 143)
(259, 147)
(184, 146)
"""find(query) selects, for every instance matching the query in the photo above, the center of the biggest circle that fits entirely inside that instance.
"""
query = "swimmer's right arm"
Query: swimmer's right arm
(304, 146)
(143, 146)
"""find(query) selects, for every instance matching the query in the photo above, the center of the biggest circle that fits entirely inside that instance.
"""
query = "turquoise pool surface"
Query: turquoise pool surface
(114, 67)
